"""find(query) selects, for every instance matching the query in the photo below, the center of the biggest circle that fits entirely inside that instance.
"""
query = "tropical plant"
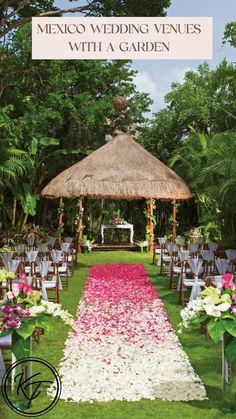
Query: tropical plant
(208, 164)
(12, 159)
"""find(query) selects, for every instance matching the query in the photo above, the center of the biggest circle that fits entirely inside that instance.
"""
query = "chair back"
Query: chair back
(51, 241)
(213, 246)
(12, 265)
(65, 247)
(231, 254)
(184, 255)
(44, 266)
(32, 255)
(195, 265)
(56, 255)
(222, 265)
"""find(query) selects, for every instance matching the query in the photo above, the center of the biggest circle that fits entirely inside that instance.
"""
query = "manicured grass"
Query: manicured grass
(205, 356)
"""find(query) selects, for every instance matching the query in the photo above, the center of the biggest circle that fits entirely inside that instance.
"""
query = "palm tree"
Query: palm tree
(220, 174)
(208, 164)
(190, 157)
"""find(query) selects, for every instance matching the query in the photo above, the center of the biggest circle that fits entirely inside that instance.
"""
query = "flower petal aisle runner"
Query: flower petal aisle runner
(124, 347)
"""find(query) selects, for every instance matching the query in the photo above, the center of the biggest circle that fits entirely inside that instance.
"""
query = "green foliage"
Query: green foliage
(230, 34)
(231, 351)
(205, 101)
(27, 330)
(216, 329)
(20, 347)
(129, 8)
(28, 200)
(15, 14)
(12, 160)
(211, 229)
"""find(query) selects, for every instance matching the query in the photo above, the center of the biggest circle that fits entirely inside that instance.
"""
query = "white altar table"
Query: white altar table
(118, 226)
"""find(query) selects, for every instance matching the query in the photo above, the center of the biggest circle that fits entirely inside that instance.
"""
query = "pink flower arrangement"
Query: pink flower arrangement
(116, 220)
(228, 281)
(23, 304)
(25, 288)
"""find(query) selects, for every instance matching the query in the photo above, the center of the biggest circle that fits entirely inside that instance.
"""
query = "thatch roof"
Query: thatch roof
(121, 169)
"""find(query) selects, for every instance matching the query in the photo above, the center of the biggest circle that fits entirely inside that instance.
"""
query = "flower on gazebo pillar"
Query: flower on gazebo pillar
(79, 223)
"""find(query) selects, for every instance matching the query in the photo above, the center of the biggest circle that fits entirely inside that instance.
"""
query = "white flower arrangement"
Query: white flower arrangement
(216, 308)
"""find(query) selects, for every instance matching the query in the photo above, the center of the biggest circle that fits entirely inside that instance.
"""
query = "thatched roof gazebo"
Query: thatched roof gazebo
(121, 169)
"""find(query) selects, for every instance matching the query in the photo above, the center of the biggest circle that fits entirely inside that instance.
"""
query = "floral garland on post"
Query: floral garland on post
(78, 222)
(60, 213)
(79, 217)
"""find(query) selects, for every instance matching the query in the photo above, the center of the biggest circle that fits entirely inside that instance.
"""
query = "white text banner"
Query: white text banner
(142, 38)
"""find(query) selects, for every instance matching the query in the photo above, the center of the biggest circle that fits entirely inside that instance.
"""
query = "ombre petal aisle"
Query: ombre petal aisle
(123, 347)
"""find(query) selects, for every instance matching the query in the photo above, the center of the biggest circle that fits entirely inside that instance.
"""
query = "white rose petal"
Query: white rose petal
(35, 310)
(212, 310)
(224, 307)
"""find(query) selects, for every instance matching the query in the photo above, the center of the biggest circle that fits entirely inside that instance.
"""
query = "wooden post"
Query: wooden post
(80, 212)
(60, 211)
(150, 225)
(174, 213)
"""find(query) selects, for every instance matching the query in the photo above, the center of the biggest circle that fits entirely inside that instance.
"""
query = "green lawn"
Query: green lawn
(204, 355)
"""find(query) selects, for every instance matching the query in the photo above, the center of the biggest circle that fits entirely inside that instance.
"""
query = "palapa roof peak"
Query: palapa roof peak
(120, 169)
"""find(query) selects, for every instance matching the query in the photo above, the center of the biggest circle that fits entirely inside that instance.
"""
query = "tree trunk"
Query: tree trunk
(44, 212)
(150, 226)
(25, 219)
(60, 218)
(13, 221)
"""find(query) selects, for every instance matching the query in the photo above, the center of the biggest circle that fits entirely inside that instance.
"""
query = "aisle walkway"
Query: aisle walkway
(124, 347)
